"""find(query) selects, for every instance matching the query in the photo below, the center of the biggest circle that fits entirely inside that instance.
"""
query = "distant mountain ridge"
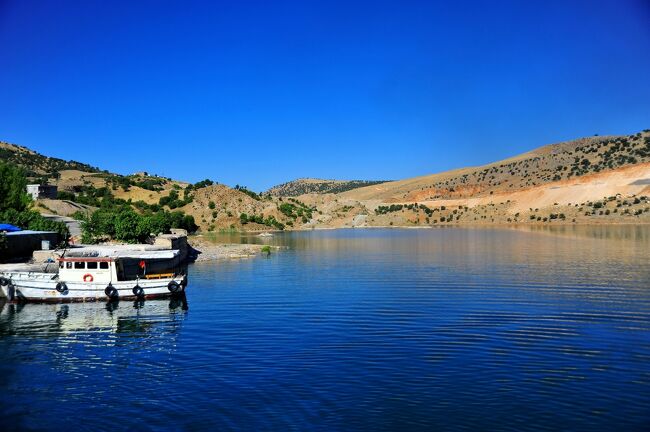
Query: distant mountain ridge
(319, 186)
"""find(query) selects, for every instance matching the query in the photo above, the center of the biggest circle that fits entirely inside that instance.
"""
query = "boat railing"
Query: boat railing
(30, 275)
(159, 276)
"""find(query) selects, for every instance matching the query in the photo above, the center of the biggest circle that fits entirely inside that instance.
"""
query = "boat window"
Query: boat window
(91, 265)
(79, 265)
(68, 265)
(60, 265)
(103, 265)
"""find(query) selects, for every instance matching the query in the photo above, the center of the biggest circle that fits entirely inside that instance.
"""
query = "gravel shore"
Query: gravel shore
(214, 251)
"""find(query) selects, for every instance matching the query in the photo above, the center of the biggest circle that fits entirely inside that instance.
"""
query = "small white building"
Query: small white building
(41, 191)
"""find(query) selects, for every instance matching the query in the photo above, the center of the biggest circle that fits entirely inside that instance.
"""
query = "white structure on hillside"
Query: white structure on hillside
(41, 191)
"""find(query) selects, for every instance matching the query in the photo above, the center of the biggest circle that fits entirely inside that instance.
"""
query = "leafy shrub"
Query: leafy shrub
(32, 220)
(65, 195)
(248, 192)
(124, 224)
(173, 201)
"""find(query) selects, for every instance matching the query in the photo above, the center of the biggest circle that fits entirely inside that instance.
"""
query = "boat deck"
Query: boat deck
(29, 267)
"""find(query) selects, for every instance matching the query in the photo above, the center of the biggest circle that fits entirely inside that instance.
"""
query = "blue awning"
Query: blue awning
(9, 228)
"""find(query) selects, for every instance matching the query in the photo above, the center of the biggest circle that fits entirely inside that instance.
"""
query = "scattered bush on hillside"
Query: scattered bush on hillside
(192, 187)
(201, 184)
(150, 183)
(399, 207)
(299, 187)
(144, 207)
(173, 201)
(248, 192)
(259, 219)
(90, 195)
(65, 195)
(296, 209)
(33, 162)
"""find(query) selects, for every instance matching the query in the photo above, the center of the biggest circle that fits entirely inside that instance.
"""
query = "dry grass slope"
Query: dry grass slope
(36, 164)
(562, 161)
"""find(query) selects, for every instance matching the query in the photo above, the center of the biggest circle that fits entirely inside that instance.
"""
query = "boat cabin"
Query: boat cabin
(88, 270)
(121, 266)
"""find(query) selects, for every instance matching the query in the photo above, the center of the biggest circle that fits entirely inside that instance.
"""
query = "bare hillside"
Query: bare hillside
(588, 180)
(555, 162)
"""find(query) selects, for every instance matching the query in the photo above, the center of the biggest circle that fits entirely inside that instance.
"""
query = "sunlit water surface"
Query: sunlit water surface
(444, 329)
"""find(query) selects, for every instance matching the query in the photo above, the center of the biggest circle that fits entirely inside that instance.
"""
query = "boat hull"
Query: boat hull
(42, 288)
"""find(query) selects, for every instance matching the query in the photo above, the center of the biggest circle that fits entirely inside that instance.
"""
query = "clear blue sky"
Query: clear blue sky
(258, 93)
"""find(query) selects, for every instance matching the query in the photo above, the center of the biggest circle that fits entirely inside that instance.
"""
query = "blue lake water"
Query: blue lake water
(442, 329)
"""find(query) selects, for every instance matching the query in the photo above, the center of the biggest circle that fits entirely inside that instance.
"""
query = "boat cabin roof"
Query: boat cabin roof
(86, 259)
(116, 253)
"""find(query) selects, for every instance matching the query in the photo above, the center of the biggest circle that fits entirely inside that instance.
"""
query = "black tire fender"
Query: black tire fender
(61, 287)
(138, 291)
(173, 286)
(4, 281)
(111, 292)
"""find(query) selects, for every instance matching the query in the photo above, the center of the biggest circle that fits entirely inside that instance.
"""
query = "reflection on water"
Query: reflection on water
(638, 234)
(634, 233)
(443, 329)
(113, 316)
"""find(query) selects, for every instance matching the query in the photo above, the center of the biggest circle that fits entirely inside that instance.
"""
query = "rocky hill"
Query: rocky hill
(310, 185)
(82, 187)
(38, 165)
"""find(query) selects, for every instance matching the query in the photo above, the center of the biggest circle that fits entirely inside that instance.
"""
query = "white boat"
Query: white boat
(128, 275)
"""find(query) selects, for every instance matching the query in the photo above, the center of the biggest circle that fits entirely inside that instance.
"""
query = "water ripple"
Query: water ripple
(350, 330)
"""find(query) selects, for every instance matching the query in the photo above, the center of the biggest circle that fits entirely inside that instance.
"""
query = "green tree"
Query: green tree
(13, 185)
(128, 226)
(14, 204)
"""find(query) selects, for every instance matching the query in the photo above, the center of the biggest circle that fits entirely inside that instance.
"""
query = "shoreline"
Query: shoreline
(208, 251)
(471, 225)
